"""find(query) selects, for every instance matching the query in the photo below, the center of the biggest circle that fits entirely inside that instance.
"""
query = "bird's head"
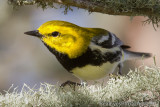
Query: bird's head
(65, 37)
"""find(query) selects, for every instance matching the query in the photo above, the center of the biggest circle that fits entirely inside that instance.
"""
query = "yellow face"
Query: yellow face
(65, 37)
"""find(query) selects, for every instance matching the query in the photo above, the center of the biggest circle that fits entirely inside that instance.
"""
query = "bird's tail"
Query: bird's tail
(128, 55)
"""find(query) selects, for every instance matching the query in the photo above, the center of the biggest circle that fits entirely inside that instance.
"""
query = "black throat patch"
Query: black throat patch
(90, 57)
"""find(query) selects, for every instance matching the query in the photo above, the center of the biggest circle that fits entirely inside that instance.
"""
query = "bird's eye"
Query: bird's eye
(55, 34)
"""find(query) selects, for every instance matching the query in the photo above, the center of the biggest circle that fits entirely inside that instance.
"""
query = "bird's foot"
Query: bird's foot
(69, 83)
(114, 76)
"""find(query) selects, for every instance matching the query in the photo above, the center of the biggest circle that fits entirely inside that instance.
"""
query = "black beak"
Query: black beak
(34, 33)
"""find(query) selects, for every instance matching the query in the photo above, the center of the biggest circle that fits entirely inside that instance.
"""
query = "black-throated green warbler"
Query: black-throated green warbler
(88, 53)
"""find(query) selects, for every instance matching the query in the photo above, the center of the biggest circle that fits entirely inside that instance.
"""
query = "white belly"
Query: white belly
(90, 72)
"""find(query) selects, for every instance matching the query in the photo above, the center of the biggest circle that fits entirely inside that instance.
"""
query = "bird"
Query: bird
(87, 53)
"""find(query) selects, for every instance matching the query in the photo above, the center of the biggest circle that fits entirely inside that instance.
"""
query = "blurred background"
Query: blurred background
(24, 59)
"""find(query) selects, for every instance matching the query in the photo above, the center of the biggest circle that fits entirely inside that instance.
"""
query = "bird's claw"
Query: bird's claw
(114, 76)
(69, 83)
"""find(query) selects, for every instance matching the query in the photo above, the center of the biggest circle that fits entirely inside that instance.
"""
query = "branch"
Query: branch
(149, 8)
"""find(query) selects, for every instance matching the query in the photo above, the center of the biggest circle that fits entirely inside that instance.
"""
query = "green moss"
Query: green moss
(139, 87)
(147, 8)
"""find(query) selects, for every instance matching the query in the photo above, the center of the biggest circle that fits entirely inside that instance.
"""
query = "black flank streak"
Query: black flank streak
(88, 58)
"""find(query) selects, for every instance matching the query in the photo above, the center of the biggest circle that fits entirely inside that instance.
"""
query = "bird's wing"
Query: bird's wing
(107, 41)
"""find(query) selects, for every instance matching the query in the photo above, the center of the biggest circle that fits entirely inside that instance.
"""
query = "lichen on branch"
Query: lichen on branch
(148, 8)
(140, 87)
